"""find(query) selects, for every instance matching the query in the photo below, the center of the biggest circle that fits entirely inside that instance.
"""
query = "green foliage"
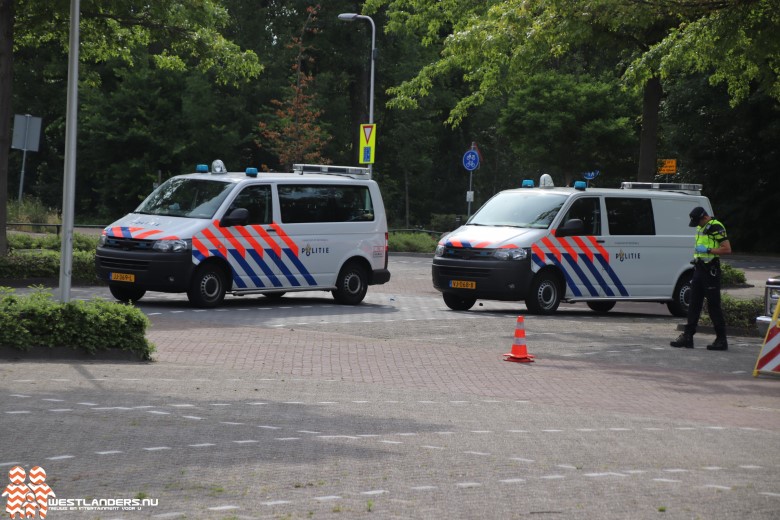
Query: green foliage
(31, 209)
(738, 313)
(81, 242)
(37, 320)
(412, 243)
(21, 265)
(566, 124)
(731, 276)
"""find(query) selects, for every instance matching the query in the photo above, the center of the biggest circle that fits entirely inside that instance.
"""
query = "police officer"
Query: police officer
(711, 242)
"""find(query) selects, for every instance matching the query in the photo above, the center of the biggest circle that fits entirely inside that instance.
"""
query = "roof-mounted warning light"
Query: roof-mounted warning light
(251, 172)
(202, 168)
(527, 183)
(218, 167)
(350, 171)
(545, 181)
(580, 185)
(691, 189)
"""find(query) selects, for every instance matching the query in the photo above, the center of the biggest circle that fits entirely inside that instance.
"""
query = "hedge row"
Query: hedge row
(21, 265)
(37, 320)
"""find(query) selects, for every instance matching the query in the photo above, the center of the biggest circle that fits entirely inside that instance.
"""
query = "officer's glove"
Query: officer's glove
(701, 249)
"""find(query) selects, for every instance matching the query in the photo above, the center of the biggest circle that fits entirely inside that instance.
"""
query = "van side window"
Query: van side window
(587, 209)
(630, 216)
(325, 203)
(257, 200)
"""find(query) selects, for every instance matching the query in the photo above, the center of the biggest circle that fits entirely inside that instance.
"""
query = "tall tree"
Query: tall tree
(293, 132)
(179, 34)
(491, 42)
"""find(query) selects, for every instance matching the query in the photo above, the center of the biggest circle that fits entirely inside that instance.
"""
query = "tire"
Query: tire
(126, 293)
(457, 302)
(681, 299)
(207, 288)
(351, 285)
(544, 295)
(601, 307)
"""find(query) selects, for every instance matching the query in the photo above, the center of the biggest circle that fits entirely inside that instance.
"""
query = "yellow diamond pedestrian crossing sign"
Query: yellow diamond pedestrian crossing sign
(367, 143)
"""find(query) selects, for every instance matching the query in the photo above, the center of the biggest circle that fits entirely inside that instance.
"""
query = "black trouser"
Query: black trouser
(706, 284)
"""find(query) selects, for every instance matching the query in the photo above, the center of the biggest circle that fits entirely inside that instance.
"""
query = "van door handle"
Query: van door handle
(599, 241)
(270, 229)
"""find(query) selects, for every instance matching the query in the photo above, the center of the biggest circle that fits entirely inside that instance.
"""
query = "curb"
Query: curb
(67, 353)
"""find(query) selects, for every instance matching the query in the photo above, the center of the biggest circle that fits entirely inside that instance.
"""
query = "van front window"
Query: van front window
(527, 209)
(191, 198)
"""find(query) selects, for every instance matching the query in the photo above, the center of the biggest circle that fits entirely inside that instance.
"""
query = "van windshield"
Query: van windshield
(191, 198)
(527, 209)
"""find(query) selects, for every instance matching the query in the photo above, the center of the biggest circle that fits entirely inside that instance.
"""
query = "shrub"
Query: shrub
(412, 243)
(21, 265)
(731, 275)
(36, 320)
(81, 242)
(737, 313)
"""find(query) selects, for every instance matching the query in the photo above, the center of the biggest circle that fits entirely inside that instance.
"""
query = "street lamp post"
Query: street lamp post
(350, 17)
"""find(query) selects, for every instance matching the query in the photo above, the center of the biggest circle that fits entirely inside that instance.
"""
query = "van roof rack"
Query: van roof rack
(691, 189)
(355, 172)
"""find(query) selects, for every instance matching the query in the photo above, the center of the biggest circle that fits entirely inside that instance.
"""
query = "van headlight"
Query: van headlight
(515, 253)
(439, 250)
(172, 246)
(102, 240)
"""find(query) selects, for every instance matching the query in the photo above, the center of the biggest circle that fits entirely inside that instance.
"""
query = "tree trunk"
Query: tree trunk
(648, 141)
(6, 84)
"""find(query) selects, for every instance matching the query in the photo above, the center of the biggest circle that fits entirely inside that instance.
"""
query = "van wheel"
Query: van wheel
(207, 288)
(681, 299)
(351, 285)
(544, 295)
(126, 293)
(602, 307)
(457, 302)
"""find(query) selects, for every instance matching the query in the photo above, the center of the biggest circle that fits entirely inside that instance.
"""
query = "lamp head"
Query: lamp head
(348, 17)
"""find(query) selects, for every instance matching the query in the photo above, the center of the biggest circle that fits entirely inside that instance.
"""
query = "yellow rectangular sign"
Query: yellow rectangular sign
(667, 166)
(367, 143)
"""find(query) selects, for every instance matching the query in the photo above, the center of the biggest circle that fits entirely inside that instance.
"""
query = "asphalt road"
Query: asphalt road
(401, 408)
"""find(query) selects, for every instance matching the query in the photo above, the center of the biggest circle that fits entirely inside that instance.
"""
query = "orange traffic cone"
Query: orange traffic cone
(519, 353)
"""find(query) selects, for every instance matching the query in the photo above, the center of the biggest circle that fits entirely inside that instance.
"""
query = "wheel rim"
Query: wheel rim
(685, 296)
(352, 283)
(210, 287)
(547, 295)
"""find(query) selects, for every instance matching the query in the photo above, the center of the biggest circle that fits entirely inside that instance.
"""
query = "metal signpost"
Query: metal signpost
(471, 163)
(27, 134)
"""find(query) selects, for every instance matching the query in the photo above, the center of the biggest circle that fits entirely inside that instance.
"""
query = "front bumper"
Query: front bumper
(506, 280)
(164, 272)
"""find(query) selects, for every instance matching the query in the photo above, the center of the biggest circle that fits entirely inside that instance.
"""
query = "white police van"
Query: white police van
(213, 232)
(546, 245)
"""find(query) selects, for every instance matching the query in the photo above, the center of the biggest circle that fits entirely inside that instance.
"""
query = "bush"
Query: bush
(49, 242)
(731, 276)
(21, 265)
(738, 313)
(412, 243)
(37, 320)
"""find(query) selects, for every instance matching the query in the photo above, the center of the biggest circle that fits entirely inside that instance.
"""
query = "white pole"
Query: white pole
(348, 17)
(69, 177)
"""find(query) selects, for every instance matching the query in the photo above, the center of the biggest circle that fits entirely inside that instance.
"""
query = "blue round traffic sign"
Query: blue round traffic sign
(591, 175)
(471, 160)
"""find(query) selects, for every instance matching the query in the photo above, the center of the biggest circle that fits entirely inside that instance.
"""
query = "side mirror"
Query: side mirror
(572, 227)
(237, 217)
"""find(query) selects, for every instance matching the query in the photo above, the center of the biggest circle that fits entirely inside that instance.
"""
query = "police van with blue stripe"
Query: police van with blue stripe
(546, 245)
(214, 232)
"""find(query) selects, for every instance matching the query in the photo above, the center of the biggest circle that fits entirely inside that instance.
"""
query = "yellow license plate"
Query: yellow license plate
(462, 284)
(122, 277)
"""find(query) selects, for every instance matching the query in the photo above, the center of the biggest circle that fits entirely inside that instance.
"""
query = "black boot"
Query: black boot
(684, 340)
(720, 343)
